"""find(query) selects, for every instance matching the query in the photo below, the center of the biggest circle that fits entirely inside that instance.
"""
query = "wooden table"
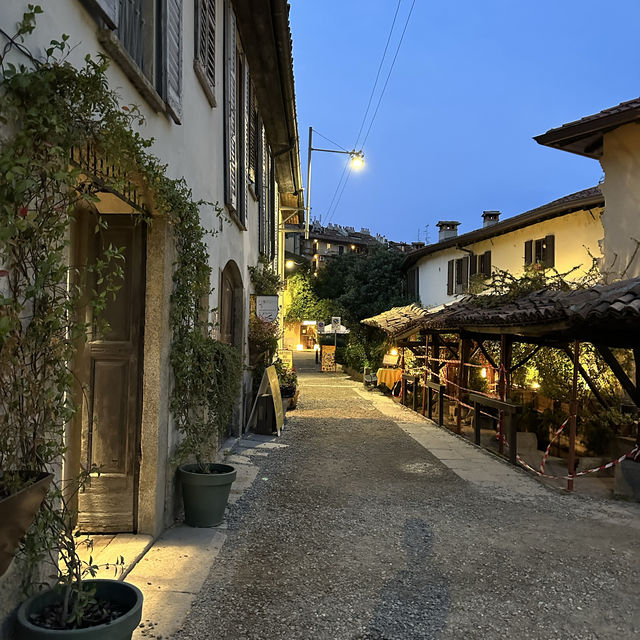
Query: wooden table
(388, 377)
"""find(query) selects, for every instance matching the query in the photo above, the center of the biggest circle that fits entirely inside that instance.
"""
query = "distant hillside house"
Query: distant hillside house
(562, 234)
(336, 240)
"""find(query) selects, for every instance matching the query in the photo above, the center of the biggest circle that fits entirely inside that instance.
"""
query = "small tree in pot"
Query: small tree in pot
(207, 386)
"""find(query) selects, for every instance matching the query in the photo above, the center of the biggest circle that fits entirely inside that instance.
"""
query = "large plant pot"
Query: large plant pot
(17, 512)
(125, 595)
(205, 495)
(627, 480)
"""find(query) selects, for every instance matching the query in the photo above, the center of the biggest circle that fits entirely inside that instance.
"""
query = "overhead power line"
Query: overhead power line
(386, 82)
(375, 113)
(375, 83)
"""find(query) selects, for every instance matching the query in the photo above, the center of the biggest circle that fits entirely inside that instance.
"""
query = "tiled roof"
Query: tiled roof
(624, 107)
(580, 199)
(606, 313)
(399, 319)
(610, 303)
(354, 237)
(585, 136)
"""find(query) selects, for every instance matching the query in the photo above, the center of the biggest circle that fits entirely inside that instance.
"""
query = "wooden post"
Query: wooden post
(476, 423)
(636, 361)
(503, 382)
(574, 415)
(435, 376)
(463, 354)
(441, 406)
(425, 390)
(403, 386)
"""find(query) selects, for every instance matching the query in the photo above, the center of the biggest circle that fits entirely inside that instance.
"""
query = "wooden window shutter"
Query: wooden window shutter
(230, 142)
(253, 134)
(549, 258)
(475, 264)
(450, 276)
(172, 57)
(206, 39)
(271, 208)
(262, 188)
(411, 280)
(242, 136)
(107, 10)
(465, 273)
(486, 263)
(528, 252)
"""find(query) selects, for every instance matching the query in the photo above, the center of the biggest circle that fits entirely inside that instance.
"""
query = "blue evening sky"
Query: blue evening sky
(473, 82)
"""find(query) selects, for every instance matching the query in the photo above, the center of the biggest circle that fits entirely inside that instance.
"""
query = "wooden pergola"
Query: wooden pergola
(606, 316)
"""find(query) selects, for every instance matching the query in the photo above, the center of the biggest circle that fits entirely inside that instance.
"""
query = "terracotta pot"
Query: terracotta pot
(17, 512)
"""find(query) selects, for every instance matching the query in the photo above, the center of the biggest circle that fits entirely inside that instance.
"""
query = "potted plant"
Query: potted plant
(78, 605)
(207, 384)
(263, 341)
(288, 380)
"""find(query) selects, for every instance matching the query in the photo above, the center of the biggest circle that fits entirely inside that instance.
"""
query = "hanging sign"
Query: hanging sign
(267, 308)
(286, 355)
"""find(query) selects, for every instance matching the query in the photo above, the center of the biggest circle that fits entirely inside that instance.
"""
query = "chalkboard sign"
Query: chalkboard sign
(269, 382)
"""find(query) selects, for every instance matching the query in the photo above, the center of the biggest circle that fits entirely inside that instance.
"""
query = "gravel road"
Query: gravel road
(355, 531)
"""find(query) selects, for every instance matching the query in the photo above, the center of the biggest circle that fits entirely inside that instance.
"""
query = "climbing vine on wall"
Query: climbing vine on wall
(50, 110)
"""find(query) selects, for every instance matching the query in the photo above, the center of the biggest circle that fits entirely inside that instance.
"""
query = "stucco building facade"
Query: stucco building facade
(562, 234)
(214, 81)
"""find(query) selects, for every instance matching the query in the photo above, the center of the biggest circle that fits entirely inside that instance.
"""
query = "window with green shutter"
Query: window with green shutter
(205, 47)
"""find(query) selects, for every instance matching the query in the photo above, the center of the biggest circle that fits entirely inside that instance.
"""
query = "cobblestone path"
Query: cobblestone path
(353, 530)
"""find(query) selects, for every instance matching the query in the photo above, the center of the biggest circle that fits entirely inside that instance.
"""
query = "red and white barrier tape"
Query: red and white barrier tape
(632, 454)
(553, 439)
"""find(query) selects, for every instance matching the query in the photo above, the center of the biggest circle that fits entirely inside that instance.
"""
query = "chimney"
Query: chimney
(490, 218)
(447, 229)
(417, 245)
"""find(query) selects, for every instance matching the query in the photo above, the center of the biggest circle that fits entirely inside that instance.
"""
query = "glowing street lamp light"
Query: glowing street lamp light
(289, 264)
(356, 162)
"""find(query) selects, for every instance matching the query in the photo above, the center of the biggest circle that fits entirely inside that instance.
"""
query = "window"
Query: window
(205, 53)
(145, 38)
(236, 115)
(458, 276)
(413, 283)
(541, 251)
(484, 263)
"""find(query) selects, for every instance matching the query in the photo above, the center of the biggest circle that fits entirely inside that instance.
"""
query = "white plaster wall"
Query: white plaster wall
(432, 278)
(576, 235)
(621, 188)
(194, 149)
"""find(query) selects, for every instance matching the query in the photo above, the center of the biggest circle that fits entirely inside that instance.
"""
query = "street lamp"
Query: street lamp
(356, 161)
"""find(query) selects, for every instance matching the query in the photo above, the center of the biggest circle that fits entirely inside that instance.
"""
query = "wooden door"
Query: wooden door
(111, 371)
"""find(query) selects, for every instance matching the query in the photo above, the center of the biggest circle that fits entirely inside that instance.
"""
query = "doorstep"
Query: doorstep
(105, 549)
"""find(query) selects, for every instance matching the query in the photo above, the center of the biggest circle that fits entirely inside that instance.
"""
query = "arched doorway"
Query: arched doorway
(231, 306)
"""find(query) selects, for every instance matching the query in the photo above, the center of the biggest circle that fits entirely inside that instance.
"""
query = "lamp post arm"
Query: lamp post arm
(348, 153)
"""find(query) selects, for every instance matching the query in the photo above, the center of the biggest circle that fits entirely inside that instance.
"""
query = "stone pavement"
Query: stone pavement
(373, 523)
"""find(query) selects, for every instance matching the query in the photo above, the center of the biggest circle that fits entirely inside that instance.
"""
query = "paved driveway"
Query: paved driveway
(357, 530)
